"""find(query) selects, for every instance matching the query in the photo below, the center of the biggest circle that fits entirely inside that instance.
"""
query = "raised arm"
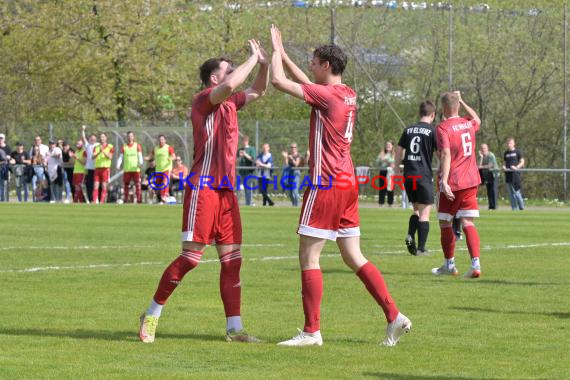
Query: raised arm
(83, 137)
(278, 78)
(236, 78)
(294, 71)
(468, 109)
(259, 85)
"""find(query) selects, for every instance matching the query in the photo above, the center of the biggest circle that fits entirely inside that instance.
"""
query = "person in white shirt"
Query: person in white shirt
(90, 162)
(39, 175)
(54, 171)
(43, 147)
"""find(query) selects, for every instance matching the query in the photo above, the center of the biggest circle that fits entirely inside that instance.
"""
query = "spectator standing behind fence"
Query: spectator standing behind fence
(39, 178)
(246, 156)
(5, 172)
(293, 161)
(89, 145)
(149, 171)
(385, 161)
(132, 159)
(264, 163)
(103, 155)
(513, 160)
(66, 156)
(79, 158)
(38, 153)
(489, 170)
(21, 165)
(55, 172)
(163, 156)
(178, 169)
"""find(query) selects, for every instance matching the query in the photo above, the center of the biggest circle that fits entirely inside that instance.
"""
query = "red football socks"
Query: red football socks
(174, 274)
(312, 292)
(448, 241)
(230, 285)
(374, 282)
(472, 237)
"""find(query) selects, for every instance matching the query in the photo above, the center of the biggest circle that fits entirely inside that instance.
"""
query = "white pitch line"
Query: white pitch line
(78, 247)
(266, 258)
(92, 266)
(90, 247)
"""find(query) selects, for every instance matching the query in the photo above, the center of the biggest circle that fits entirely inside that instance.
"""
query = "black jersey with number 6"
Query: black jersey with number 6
(419, 141)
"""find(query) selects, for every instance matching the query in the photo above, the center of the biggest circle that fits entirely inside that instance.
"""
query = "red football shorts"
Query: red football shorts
(463, 206)
(131, 176)
(211, 216)
(102, 175)
(329, 213)
(78, 179)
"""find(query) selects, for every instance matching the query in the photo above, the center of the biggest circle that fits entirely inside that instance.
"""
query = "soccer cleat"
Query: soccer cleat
(398, 327)
(240, 336)
(411, 245)
(442, 270)
(148, 328)
(303, 339)
(473, 273)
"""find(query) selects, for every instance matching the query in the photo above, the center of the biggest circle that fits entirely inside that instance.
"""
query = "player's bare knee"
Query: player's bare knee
(423, 212)
(354, 260)
(193, 246)
(466, 222)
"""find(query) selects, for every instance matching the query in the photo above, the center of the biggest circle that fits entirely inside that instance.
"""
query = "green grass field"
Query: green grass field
(76, 314)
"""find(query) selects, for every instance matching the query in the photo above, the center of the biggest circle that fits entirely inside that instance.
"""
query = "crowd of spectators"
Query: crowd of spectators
(58, 172)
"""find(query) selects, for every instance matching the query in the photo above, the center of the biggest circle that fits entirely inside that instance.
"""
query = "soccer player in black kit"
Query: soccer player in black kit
(416, 147)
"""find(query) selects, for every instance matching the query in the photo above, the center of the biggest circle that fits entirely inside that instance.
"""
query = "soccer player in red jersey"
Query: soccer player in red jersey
(329, 213)
(211, 211)
(459, 179)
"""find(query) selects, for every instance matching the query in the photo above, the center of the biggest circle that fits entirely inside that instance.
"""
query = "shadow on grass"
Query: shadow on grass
(395, 376)
(104, 335)
(516, 283)
(558, 314)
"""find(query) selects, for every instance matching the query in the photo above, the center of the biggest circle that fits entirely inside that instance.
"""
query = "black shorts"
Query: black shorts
(423, 193)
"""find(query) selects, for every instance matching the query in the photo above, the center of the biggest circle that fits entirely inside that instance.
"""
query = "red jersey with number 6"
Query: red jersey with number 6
(458, 134)
(332, 121)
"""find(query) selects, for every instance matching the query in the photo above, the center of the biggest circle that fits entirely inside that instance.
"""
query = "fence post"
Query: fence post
(565, 150)
(256, 136)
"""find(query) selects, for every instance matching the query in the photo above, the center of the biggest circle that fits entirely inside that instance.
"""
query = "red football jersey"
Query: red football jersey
(332, 122)
(458, 134)
(215, 130)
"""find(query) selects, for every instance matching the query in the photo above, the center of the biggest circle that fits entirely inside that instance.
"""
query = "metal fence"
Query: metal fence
(542, 184)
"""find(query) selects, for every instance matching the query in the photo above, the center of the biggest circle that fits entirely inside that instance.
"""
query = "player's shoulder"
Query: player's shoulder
(201, 97)
(443, 125)
(344, 90)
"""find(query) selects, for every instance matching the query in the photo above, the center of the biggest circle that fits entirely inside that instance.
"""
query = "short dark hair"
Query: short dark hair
(159, 136)
(129, 132)
(426, 108)
(209, 66)
(334, 56)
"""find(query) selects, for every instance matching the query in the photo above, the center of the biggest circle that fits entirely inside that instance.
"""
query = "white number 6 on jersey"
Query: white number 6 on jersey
(467, 144)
